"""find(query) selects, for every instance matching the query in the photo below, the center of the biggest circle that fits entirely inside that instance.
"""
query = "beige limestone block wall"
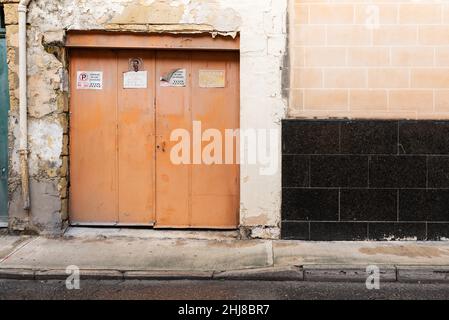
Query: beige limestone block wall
(369, 59)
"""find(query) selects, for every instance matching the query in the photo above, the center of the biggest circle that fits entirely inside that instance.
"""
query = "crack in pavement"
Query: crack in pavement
(16, 250)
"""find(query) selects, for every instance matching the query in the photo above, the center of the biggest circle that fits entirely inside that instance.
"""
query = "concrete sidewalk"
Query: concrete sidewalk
(141, 254)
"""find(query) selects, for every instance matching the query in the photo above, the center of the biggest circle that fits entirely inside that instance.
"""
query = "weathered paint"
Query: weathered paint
(112, 142)
(198, 195)
(121, 166)
(262, 30)
(4, 108)
(93, 133)
(156, 41)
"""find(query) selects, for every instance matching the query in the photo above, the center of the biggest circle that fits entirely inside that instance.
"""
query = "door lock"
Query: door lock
(161, 147)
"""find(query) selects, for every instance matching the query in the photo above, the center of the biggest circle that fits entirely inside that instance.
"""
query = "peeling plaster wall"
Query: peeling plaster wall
(262, 28)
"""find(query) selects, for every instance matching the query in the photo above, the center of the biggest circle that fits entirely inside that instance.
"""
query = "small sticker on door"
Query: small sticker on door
(212, 78)
(135, 80)
(89, 80)
(175, 78)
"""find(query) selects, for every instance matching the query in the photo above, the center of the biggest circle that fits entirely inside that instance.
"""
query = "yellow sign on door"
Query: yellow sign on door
(212, 78)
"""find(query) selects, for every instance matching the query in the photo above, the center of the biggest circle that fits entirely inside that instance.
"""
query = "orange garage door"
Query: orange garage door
(126, 106)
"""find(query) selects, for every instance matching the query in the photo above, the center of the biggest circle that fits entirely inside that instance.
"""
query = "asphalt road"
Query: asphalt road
(221, 290)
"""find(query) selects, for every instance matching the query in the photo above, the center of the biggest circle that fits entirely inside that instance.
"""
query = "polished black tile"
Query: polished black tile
(384, 231)
(438, 175)
(437, 231)
(292, 230)
(368, 205)
(309, 204)
(339, 171)
(344, 179)
(424, 205)
(398, 172)
(338, 231)
(295, 171)
(310, 137)
(369, 137)
(424, 137)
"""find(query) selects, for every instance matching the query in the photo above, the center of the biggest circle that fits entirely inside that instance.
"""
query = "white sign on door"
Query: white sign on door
(135, 80)
(89, 80)
(175, 78)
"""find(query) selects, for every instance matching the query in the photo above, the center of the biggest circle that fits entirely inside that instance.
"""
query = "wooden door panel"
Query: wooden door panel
(172, 112)
(120, 147)
(196, 195)
(215, 188)
(93, 140)
(136, 142)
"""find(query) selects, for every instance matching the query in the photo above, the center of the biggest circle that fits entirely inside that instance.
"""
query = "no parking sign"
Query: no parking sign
(89, 80)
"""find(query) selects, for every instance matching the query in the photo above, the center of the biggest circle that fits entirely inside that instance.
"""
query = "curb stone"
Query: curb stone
(336, 273)
(58, 274)
(84, 274)
(50, 275)
(310, 273)
(101, 275)
(168, 275)
(17, 274)
(266, 274)
(427, 274)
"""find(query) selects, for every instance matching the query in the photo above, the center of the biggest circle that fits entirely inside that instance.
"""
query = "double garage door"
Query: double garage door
(125, 109)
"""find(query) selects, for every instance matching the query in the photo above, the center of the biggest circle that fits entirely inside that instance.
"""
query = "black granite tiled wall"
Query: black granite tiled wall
(357, 180)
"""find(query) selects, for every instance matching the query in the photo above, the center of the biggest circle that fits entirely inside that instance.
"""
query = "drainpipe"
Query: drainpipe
(23, 107)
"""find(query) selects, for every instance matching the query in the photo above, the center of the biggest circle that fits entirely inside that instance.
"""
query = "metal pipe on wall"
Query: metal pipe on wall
(23, 106)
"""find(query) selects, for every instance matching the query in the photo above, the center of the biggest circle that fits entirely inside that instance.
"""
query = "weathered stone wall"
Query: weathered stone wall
(262, 28)
(47, 122)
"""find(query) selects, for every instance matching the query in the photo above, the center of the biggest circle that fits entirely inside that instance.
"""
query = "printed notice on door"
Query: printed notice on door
(89, 80)
(175, 78)
(135, 80)
(212, 78)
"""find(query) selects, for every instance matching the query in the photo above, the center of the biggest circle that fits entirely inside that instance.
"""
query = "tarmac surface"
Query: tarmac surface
(217, 290)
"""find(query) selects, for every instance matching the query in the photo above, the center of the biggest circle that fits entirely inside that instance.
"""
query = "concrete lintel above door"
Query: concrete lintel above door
(78, 39)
